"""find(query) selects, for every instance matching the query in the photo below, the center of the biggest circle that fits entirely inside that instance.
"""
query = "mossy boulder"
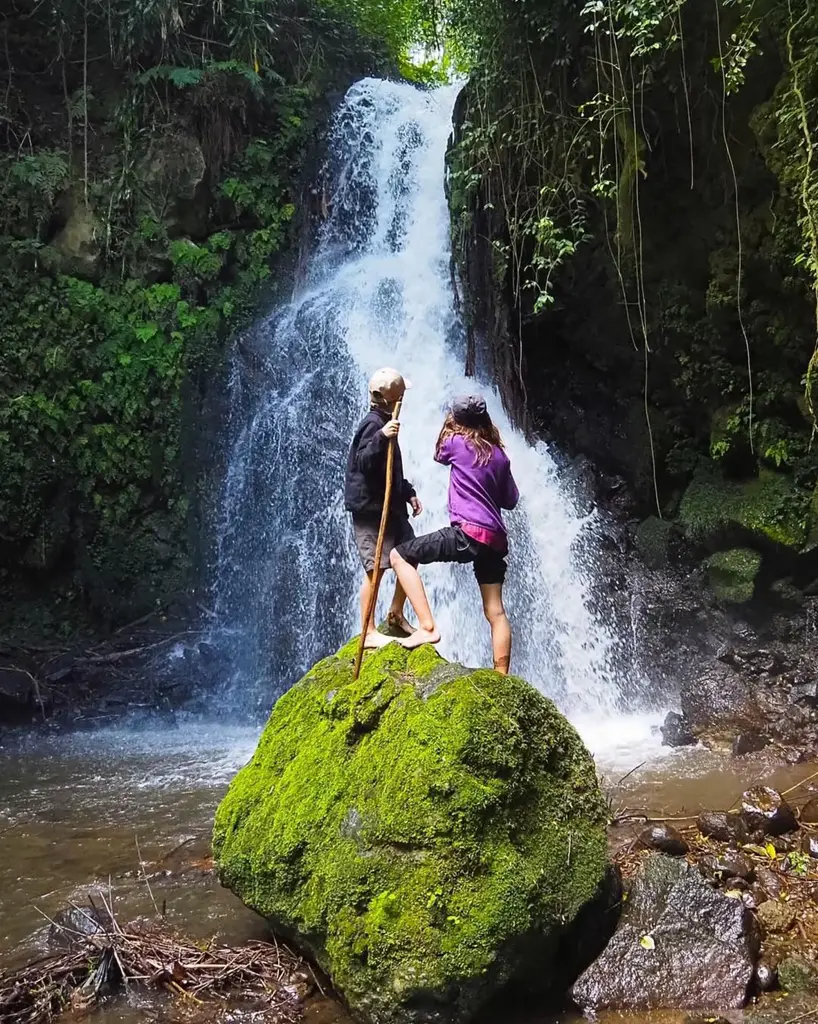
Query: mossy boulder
(767, 508)
(428, 833)
(732, 574)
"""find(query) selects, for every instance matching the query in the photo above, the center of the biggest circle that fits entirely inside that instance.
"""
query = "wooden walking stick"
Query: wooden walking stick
(377, 572)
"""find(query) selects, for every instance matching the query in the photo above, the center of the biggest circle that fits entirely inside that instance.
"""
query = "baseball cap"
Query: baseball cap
(470, 410)
(389, 384)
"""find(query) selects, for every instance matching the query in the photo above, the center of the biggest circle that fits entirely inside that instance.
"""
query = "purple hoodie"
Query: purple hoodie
(478, 493)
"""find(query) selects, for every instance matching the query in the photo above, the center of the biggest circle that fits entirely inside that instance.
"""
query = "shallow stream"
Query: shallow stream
(77, 811)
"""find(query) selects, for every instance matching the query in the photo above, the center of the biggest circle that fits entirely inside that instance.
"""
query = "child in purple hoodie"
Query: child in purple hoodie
(480, 486)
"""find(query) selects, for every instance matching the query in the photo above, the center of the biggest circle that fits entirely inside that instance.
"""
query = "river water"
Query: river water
(74, 809)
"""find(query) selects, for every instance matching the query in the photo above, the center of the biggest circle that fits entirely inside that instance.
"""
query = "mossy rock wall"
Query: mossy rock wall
(141, 230)
(428, 833)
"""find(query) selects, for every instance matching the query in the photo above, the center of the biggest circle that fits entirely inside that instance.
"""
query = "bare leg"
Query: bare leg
(495, 612)
(396, 618)
(373, 637)
(409, 579)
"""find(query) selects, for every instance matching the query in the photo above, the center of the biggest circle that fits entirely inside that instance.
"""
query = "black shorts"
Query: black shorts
(453, 545)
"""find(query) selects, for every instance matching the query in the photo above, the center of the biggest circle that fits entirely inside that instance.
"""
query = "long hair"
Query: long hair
(482, 439)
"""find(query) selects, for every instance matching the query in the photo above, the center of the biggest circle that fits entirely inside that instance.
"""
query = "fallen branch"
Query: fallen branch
(97, 964)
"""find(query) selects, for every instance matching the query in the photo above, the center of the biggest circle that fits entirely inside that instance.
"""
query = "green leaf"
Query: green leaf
(647, 942)
(146, 332)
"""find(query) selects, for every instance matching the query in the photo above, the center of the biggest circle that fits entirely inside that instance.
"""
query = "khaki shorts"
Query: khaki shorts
(366, 540)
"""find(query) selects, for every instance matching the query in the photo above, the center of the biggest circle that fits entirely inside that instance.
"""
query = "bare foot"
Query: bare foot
(376, 639)
(419, 638)
(396, 620)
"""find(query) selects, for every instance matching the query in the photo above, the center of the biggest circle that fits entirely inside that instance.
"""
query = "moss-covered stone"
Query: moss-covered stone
(428, 832)
(768, 508)
(795, 974)
(653, 541)
(732, 574)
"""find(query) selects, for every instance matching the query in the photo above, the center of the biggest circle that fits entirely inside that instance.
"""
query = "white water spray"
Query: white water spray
(379, 293)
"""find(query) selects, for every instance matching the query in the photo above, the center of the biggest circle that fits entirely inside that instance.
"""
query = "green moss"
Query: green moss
(732, 574)
(418, 829)
(653, 540)
(795, 974)
(769, 507)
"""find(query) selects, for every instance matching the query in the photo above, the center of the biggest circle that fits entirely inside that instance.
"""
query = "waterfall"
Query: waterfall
(379, 292)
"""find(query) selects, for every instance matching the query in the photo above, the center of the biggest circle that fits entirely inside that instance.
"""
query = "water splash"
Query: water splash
(379, 293)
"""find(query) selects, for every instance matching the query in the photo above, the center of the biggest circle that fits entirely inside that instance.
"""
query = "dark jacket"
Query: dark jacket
(365, 483)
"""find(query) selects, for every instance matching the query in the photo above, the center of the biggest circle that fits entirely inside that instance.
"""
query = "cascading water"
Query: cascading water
(379, 293)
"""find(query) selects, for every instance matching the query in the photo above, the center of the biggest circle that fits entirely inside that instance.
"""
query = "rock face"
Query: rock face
(681, 945)
(428, 833)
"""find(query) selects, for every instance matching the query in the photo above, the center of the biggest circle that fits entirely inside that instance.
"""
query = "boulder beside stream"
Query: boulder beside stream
(427, 833)
(680, 945)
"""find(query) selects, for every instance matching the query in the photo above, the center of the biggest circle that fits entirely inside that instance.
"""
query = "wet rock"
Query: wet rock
(664, 838)
(748, 743)
(15, 689)
(766, 977)
(695, 1019)
(776, 917)
(581, 478)
(673, 923)
(730, 864)
(764, 808)
(769, 883)
(809, 844)
(655, 541)
(735, 883)
(21, 697)
(70, 927)
(797, 974)
(809, 812)
(722, 826)
(720, 702)
(676, 732)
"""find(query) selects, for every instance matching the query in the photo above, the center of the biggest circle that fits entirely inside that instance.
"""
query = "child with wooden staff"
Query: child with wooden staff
(365, 491)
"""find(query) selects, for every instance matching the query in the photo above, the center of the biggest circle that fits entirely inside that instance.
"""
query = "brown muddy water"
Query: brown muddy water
(78, 812)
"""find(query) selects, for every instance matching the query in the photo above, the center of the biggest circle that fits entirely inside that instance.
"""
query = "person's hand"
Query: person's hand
(417, 508)
(391, 429)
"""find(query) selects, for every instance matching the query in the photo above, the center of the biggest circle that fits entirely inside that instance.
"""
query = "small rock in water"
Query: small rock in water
(664, 838)
(765, 808)
(776, 917)
(769, 883)
(676, 732)
(729, 864)
(748, 743)
(766, 976)
(722, 826)
(809, 812)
